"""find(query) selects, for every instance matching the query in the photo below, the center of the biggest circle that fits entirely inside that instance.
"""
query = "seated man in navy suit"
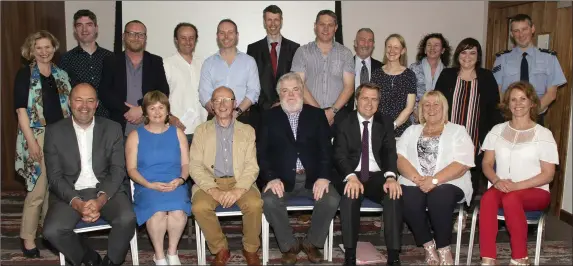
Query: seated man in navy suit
(294, 154)
(365, 157)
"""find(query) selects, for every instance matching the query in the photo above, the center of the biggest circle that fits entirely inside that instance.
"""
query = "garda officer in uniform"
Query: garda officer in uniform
(526, 62)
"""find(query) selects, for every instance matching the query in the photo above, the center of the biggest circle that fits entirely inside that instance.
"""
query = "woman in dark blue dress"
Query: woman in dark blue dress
(157, 156)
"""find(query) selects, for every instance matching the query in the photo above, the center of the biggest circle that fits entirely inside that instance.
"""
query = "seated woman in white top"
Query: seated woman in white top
(434, 158)
(524, 154)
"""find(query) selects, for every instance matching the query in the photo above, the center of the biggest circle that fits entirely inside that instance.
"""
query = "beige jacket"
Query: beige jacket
(202, 156)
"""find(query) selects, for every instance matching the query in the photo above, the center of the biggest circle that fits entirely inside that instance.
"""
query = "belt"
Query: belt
(300, 172)
(226, 176)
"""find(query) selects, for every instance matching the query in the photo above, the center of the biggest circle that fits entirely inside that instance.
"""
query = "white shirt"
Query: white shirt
(358, 68)
(372, 165)
(87, 178)
(183, 79)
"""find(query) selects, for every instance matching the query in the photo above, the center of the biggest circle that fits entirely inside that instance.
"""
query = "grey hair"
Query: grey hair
(290, 76)
(369, 30)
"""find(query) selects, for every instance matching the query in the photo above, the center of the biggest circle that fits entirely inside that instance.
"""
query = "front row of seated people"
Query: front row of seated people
(419, 179)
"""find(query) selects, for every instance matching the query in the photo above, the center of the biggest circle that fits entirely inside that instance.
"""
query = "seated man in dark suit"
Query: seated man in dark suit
(85, 166)
(294, 154)
(365, 157)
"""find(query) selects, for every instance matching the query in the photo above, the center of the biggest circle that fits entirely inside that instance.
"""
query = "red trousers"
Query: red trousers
(514, 205)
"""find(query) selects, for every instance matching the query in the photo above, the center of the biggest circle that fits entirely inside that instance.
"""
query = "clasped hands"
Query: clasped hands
(354, 188)
(506, 185)
(227, 198)
(166, 187)
(318, 189)
(90, 210)
(424, 183)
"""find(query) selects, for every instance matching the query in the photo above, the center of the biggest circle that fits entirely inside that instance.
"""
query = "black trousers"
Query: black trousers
(61, 220)
(441, 202)
(392, 214)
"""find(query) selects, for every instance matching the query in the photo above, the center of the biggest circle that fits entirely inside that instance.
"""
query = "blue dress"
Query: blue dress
(159, 160)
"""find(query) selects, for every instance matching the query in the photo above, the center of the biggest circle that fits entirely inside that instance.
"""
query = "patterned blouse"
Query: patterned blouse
(428, 153)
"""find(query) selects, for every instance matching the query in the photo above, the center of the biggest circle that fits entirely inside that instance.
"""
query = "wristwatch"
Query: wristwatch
(334, 109)
(239, 111)
(435, 181)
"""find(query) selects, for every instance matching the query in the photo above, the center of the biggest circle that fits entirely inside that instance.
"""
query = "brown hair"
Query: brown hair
(530, 93)
(372, 86)
(152, 98)
(27, 48)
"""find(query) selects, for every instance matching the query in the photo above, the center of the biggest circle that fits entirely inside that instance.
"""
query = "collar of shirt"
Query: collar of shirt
(269, 40)
(292, 115)
(220, 57)
(231, 125)
(130, 65)
(78, 127)
(334, 45)
(362, 119)
(358, 61)
(180, 57)
(530, 51)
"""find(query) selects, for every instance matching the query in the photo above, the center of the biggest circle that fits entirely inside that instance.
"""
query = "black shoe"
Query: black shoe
(92, 258)
(394, 263)
(350, 257)
(107, 262)
(30, 253)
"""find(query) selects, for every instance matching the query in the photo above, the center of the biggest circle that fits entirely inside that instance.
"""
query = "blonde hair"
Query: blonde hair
(27, 49)
(152, 98)
(441, 99)
(403, 57)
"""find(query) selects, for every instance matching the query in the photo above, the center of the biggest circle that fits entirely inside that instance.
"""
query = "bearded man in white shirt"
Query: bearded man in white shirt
(183, 71)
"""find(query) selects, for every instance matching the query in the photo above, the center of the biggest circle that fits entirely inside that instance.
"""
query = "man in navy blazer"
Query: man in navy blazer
(294, 154)
(366, 160)
(129, 75)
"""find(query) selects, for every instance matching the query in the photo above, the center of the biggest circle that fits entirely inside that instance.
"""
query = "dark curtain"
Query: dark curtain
(117, 42)
(338, 11)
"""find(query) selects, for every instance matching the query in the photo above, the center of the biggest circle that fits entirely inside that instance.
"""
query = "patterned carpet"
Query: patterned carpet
(553, 252)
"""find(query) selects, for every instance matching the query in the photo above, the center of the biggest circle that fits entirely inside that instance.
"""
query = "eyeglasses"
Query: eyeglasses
(133, 34)
(223, 100)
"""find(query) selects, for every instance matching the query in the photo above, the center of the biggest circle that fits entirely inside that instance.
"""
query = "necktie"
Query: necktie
(524, 73)
(363, 73)
(364, 167)
(274, 57)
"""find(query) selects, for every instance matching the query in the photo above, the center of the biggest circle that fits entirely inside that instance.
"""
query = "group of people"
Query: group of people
(281, 121)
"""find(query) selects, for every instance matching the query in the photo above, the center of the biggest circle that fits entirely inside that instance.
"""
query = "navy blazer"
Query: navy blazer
(113, 87)
(277, 149)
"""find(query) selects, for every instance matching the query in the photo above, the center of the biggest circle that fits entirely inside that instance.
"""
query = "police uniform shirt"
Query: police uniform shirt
(544, 68)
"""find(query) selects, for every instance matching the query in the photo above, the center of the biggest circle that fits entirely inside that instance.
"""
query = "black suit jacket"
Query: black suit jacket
(113, 88)
(260, 52)
(63, 163)
(348, 144)
(277, 149)
(374, 65)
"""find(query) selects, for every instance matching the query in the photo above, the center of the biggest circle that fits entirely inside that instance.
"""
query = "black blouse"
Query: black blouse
(50, 98)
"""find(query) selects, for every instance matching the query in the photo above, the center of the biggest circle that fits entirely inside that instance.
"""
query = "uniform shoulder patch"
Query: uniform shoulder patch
(502, 52)
(496, 69)
(551, 52)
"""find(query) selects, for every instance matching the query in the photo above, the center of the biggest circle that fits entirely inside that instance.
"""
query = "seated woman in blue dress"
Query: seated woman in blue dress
(157, 159)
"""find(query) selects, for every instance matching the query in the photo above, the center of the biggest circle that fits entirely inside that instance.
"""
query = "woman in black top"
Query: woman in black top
(472, 95)
(398, 83)
(41, 92)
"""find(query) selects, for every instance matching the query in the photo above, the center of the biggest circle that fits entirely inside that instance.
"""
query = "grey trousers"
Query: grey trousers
(62, 219)
(274, 209)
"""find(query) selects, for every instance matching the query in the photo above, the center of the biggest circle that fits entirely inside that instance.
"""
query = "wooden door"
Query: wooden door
(555, 19)
(19, 19)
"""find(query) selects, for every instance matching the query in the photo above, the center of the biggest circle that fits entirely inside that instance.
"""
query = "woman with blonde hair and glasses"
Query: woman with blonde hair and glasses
(434, 158)
(157, 159)
(519, 160)
(398, 83)
(41, 91)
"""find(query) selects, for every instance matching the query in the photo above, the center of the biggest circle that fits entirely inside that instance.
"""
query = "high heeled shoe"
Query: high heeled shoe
(29, 253)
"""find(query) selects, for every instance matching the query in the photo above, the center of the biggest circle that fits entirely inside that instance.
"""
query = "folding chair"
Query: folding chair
(296, 204)
(200, 238)
(101, 224)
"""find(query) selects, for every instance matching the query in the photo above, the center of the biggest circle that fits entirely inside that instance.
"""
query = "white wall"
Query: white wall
(162, 17)
(456, 20)
(105, 12)
(567, 201)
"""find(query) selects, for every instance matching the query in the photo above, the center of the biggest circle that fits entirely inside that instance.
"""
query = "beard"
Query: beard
(292, 107)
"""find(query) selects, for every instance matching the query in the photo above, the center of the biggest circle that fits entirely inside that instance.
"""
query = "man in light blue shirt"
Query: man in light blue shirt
(526, 62)
(231, 68)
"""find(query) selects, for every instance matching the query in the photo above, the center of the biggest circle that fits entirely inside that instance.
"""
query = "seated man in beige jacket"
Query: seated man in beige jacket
(223, 164)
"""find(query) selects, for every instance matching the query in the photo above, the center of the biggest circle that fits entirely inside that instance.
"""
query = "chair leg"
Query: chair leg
(540, 227)
(461, 213)
(200, 255)
(62, 259)
(472, 234)
(330, 240)
(134, 249)
(265, 239)
(190, 229)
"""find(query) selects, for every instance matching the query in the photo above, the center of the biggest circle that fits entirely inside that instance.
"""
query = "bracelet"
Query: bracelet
(184, 180)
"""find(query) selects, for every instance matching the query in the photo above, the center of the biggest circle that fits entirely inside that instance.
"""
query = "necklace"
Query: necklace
(393, 77)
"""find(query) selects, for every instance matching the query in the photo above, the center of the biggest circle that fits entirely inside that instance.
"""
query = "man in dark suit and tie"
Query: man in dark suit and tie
(365, 157)
(129, 75)
(273, 55)
(85, 166)
(294, 154)
(364, 64)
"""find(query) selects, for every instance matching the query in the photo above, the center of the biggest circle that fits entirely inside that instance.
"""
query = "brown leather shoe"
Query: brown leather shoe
(252, 258)
(221, 258)
(312, 252)
(289, 257)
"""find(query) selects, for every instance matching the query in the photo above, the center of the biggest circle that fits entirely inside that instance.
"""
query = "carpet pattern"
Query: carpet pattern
(553, 252)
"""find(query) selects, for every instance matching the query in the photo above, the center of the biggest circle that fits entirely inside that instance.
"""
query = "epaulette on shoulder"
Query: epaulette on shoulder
(502, 52)
(551, 52)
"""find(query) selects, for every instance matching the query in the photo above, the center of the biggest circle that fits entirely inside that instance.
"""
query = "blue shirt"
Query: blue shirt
(241, 76)
(544, 69)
